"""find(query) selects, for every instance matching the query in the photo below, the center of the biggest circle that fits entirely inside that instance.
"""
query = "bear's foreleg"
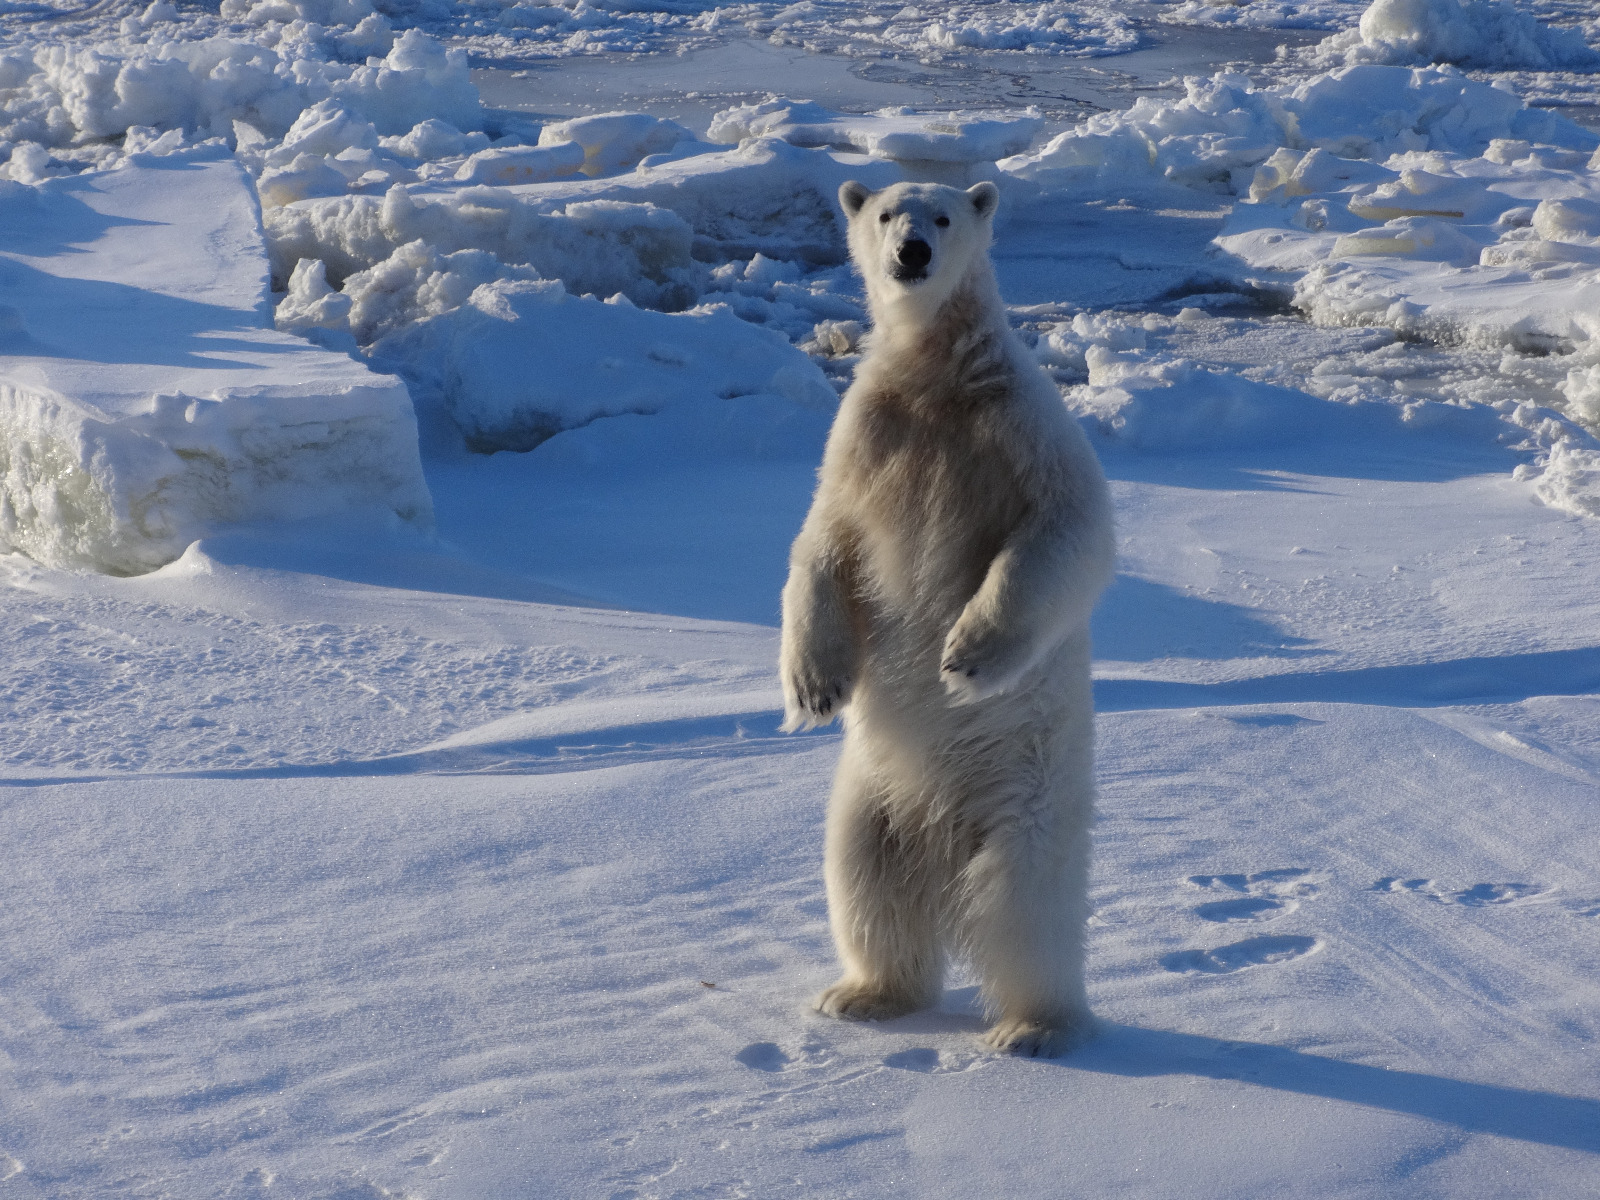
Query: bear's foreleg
(885, 901)
(1024, 927)
(817, 661)
(1040, 587)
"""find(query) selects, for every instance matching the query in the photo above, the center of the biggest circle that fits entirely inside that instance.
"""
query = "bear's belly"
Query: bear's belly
(1032, 741)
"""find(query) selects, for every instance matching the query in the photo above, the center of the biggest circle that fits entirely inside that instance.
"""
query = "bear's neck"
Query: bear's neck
(914, 337)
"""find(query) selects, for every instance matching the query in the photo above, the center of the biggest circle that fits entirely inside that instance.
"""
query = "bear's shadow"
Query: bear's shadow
(1139, 621)
(959, 1011)
(1541, 1118)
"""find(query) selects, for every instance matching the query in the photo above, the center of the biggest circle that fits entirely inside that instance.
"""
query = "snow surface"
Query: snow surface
(349, 858)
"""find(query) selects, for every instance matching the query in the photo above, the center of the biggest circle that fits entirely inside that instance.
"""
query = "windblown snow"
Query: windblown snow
(395, 493)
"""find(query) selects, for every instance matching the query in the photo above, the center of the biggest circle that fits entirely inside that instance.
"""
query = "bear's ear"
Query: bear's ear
(985, 196)
(852, 196)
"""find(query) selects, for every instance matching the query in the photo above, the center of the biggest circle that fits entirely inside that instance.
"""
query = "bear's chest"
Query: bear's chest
(938, 493)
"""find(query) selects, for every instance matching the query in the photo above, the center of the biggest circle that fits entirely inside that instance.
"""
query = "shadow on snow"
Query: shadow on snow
(1547, 1118)
(1489, 680)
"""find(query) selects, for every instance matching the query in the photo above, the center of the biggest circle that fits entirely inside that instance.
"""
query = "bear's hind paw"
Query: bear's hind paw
(858, 1002)
(1037, 1039)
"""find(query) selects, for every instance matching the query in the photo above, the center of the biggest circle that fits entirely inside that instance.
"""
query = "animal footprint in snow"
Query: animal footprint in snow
(1252, 952)
(928, 1061)
(1264, 896)
(764, 1056)
(1479, 895)
(769, 1056)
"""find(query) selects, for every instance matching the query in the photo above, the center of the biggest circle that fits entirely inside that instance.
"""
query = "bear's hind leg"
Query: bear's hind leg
(883, 904)
(1024, 931)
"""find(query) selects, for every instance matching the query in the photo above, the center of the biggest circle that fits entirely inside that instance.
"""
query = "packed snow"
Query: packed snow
(395, 495)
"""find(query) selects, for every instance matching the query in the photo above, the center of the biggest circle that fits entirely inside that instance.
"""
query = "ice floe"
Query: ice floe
(1477, 33)
(144, 400)
(523, 360)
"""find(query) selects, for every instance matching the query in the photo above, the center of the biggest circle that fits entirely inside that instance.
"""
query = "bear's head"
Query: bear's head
(916, 241)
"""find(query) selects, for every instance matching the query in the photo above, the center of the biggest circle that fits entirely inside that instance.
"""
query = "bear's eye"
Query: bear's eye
(883, 218)
(941, 222)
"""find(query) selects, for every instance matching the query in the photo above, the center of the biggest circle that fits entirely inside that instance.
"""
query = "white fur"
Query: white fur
(939, 597)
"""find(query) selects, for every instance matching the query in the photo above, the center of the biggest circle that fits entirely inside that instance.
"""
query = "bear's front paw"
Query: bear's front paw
(975, 668)
(855, 1001)
(811, 699)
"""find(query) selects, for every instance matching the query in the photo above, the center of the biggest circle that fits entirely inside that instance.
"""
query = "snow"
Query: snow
(144, 403)
(483, 966)
(612, 141)
(398, 494)
(203, 86)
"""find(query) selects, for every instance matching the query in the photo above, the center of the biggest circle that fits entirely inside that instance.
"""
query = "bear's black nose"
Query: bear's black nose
(915, 254)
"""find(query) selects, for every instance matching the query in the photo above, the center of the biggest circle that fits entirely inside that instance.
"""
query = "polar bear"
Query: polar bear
(938, 600)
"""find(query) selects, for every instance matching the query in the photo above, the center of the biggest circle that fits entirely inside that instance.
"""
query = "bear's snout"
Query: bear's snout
(913, 258)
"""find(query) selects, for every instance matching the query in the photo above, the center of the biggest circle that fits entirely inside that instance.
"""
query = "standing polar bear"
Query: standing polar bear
(939, 598)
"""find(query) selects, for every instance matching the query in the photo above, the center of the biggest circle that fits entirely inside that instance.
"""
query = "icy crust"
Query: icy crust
(142, 403)
(514, 29)
(524, 360)
(81, 488)
(564, 28)
(1375, 196)
(638, 228)
(1264, 14)
(1569, 478)
(1130, 381)
(619, 205)
(1488, 34)
(1414, 199)
(1502, 248)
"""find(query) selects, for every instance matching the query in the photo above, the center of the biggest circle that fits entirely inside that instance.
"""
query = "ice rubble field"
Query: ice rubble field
(385, 817)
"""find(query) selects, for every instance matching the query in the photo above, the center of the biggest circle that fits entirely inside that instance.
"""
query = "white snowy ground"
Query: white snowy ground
(421, 891)
(347, 861)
